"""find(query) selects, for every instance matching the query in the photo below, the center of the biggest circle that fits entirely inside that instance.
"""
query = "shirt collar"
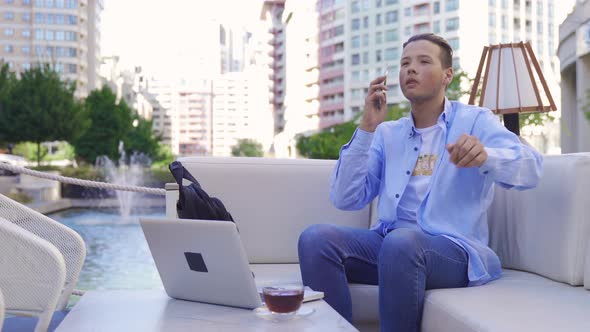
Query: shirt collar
(443, 120)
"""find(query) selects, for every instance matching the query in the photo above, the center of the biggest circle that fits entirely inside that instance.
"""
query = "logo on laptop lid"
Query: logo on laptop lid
(195, 261)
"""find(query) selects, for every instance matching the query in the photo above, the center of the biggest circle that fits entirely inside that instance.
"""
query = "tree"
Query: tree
(111, 122)
(459, 86)
(41, 108)
(246, 147)
(587, 106)
(141, 138)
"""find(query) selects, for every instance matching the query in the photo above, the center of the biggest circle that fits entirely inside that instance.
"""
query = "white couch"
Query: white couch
(541, 236)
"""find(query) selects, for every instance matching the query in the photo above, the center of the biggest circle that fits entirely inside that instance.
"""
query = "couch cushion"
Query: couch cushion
(545, 230)
(273, 200)
(519, 301)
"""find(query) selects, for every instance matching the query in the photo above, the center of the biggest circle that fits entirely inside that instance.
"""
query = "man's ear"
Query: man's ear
(449, 72)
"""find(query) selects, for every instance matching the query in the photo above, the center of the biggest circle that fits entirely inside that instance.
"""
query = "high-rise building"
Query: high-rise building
(574, 56)
(272, 13)
(301, 104)
(241, 110)
(361, 39)
(64, 33)
(182, 115)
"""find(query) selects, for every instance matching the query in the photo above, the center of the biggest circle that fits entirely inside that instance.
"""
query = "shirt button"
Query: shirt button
(408, 172)
(485, 172)
(396, 195)
(415, 149)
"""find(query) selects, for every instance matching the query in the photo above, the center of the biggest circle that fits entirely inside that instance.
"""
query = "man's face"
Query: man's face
(422, 76)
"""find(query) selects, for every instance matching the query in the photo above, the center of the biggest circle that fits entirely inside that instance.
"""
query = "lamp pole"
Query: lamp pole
(512, 123)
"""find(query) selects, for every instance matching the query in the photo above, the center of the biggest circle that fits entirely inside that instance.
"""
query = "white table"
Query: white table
(153, 310)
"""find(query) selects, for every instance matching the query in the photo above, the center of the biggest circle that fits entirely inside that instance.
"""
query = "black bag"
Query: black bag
(193, 201)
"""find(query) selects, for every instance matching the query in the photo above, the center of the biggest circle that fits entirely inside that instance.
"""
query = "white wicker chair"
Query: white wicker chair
(40, 262)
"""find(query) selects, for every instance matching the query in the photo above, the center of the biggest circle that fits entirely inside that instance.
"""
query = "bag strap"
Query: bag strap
(179, 172)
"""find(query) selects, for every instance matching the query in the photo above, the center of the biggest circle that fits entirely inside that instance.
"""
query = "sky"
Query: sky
(147, 33)
(154, 34)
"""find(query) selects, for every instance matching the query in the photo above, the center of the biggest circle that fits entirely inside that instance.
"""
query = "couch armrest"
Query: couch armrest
(171, 199)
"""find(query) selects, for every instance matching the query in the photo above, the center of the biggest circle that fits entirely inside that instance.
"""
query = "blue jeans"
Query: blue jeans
(404, 263)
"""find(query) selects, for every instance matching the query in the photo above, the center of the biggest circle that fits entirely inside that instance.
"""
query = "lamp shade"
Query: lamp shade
(511, 80)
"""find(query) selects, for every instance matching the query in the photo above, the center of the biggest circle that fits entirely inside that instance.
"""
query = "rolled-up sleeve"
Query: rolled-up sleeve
(510, 163)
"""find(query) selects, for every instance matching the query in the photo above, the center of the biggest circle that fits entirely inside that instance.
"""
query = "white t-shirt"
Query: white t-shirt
(420, 178)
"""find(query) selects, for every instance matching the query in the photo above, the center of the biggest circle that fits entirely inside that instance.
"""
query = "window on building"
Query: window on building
(9, 32)
(391, 35)
(50, 19)
(39, 34)
(365, 39)
(492, 20)
(408, 30)
(355, 76)
(9, 16)
(59, 3)
(492, 3)
(378, 56)
(39, 18)
(26, 2)
(539, 8)
(38, 3)
(355, 59)
(355, 42)
(436, 27)
(379, 37)
(365, 22)
(391, 2)
(504, 4)
(71, 3)
(50, 3)
(72, 68)
(378, 3)
(365, 5)
(391, 16)
(26, 66)
(452, 5)
(378, 19)
(452, 24)
(436, 8)
(365, 57)
(454, 42)
(26, 17)
(26, 50)
(8, 2)
(408, 11)
(539, 27)
(60, 35)
(391, 54)
(26, 33)
(504, 22)
(8, 48)
(49, 35)
(355, 24)
(72, 20)
(355, 7)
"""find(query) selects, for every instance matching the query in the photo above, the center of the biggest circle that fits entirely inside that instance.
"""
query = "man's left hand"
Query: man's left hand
(467, 152)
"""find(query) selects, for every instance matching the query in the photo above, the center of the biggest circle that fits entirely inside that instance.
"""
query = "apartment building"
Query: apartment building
(64, 33)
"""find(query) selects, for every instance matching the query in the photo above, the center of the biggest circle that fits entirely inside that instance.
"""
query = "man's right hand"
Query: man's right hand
(375, 105)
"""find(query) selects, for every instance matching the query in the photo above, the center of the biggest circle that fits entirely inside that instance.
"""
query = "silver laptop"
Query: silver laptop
(202, 261)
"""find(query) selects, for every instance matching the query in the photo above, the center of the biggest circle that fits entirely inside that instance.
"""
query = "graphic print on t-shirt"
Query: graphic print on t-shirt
(425, 165)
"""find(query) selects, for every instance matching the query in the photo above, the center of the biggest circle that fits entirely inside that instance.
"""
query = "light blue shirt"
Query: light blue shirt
(457, 199)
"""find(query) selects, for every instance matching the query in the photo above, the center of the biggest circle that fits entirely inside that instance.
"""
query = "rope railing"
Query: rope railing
(80, 182)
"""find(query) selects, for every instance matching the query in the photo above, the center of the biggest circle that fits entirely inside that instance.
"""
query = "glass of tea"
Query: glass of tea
(283, 299)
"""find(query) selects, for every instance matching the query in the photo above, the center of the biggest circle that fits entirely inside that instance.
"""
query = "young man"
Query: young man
(434, 172)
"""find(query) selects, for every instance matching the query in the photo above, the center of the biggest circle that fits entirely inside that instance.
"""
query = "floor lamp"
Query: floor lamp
(510, 84)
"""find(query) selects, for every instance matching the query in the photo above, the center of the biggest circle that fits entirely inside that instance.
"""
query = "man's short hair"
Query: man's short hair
(446, 51)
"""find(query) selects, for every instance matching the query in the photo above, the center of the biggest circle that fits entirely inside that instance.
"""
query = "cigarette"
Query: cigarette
(385, 81)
